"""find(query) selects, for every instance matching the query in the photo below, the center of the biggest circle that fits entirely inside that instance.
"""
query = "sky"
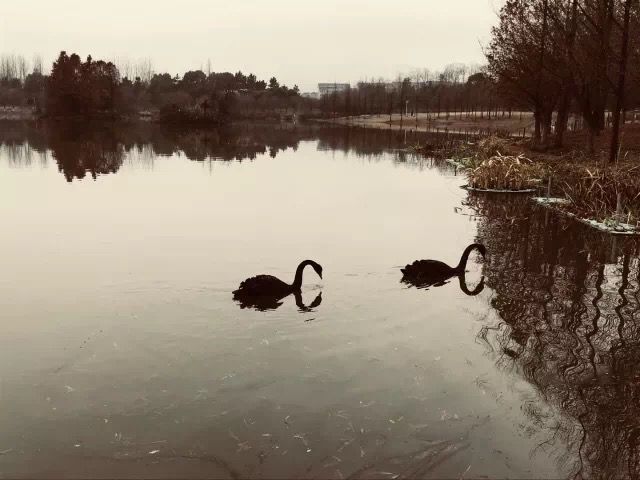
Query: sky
(300, 42)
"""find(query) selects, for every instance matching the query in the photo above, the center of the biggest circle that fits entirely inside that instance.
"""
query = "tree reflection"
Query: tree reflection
(100, 149)
(79, 151)
(568, 302)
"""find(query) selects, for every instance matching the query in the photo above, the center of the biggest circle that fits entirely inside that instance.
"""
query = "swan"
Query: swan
(425, 273)
(265, 291)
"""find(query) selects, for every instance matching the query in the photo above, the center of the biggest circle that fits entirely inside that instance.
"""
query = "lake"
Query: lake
(123, 353)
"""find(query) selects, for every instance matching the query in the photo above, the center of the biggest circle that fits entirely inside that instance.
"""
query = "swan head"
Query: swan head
(318, 268)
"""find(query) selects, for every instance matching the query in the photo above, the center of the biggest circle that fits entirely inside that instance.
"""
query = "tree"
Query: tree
(81, 88)
(620, 87)
(524, 63)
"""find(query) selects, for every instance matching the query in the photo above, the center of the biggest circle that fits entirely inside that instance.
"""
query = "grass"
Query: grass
(505, 173)
(610, 194)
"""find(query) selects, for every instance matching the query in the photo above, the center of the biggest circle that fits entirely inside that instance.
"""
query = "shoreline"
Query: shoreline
(584, 186)
(519, 123)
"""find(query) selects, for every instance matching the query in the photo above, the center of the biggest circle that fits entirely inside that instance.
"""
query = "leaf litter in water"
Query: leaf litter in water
(243, 446)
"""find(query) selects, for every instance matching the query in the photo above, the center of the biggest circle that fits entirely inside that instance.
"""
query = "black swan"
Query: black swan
(264, 292)
(426, 273)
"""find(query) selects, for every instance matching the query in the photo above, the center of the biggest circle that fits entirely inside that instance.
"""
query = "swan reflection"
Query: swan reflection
(464, 287)
(266, 303)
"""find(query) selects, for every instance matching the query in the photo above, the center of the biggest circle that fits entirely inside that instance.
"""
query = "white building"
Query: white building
(329, 88)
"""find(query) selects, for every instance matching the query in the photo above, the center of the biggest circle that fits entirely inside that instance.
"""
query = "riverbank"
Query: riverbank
(589, 187)
(516, 123)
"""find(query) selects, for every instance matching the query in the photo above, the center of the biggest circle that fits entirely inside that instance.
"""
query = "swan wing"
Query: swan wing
(261, 285)
(424, 266)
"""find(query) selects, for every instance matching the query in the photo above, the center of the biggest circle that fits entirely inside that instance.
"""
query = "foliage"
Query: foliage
(81, 88)
(89, 88)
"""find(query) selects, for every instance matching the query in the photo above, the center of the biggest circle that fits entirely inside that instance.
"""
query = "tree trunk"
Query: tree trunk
(562, 118)
(537, 130)
(624, 53)
(546, 128)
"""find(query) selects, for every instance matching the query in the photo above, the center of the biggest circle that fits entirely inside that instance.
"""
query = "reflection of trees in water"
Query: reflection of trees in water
(15, 147)
(79, 151)
(568, 302)
(100, 149)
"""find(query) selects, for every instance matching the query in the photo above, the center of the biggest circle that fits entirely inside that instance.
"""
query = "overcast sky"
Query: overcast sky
(299, 41)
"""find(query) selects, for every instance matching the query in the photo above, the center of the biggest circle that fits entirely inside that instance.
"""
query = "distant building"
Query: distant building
(314, 95)
(329, 88)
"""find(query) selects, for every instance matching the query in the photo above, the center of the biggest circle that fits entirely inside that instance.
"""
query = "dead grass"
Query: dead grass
(500, 172)
(595, 190)
(604, 193)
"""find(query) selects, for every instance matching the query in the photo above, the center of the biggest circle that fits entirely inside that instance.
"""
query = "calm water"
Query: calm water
(123, 354)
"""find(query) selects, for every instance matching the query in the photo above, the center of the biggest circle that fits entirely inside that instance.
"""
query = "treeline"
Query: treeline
(96, 87)
(456, 90)
(21, 82)
(564, 56)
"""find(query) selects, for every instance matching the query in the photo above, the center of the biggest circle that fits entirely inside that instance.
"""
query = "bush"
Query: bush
(177, 115)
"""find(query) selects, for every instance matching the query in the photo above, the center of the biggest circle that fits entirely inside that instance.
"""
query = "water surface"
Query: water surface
(123, 353)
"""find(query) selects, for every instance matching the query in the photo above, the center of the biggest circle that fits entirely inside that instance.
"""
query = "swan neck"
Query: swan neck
(297, 281)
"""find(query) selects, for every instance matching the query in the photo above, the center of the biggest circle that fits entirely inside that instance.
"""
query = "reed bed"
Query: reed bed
(506, 172)
(469, 153)
(607, 194)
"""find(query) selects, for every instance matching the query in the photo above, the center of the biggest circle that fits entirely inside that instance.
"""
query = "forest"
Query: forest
(96, 87)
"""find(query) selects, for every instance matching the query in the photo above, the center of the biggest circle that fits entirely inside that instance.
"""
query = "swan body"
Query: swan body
(425, 273)
(264, 285)
(264, 292)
